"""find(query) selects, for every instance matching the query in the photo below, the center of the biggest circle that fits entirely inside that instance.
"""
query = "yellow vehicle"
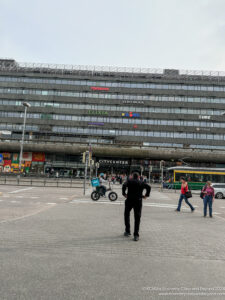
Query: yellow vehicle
(196, 177)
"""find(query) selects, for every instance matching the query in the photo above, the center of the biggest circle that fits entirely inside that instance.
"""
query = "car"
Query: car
(219, 190)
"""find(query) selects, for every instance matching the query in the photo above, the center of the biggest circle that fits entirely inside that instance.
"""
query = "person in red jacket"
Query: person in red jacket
(184, 189)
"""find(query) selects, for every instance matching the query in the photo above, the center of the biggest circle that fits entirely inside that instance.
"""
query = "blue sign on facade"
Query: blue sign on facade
(131, 115)
(1, 158)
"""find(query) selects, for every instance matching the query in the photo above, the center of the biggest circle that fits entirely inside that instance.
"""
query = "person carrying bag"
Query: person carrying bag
(209, 197)
(185, 194)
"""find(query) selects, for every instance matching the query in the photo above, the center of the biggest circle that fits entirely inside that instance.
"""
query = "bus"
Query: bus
(196, 177)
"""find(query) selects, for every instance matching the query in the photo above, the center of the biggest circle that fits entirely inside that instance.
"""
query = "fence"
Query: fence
(43, 182)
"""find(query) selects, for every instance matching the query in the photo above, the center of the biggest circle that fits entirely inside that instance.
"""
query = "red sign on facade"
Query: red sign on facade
(7, 163)
(36, 156)
(96, 88)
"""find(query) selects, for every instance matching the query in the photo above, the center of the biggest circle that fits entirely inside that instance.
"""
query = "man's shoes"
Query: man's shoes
(177, 210)
(193, 210)
(127, 233)
(136, 238)
(211, 216)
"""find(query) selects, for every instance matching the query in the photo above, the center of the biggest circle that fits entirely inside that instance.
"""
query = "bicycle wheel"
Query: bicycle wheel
(113, 196)
(95, 196)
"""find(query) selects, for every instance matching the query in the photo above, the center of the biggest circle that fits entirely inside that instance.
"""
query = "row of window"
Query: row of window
(102, 120)
(19, 127)
(166, 110)
(109, 141)
(176, 86)
(175, 145)
(114, 132)
(74, 105)
(135, 98)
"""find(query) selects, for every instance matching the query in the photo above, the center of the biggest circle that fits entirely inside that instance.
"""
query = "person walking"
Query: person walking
(209, 197)
(184, 189)
(134, 195)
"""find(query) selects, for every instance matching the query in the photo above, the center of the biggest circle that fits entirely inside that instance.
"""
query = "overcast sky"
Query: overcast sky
(182, 34)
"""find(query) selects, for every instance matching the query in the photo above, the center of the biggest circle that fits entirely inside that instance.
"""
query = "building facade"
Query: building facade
(129, 116)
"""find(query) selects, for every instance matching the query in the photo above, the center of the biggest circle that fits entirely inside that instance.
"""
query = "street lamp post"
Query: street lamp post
(161, 168)
(26, 105)
(96, 169)
(149, 172)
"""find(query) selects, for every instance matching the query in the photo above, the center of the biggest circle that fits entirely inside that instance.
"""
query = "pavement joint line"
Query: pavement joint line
(18, 191)
(26, 216)
(159, 205)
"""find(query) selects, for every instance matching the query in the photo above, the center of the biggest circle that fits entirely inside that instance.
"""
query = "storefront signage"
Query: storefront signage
(7, 169)
(27, 164)
(27, 156)
(113, 162)
(131, 115)
(15, 158)
(98, 112)
(133, 102)
(6, 155)
(204, 117)
(96, 124)
(1, 158)
(38, 157)
(96, 88)
(7, 163)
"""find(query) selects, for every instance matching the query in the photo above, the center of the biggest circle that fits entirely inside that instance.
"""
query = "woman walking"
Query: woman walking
(209, 197)
(184, 189)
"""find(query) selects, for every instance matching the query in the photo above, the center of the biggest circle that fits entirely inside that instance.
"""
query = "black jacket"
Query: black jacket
(135, 189)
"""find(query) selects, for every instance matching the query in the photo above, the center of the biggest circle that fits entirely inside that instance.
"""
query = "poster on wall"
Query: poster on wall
(27, 156)
(7, 166)
(15, 168)
(27, 164)
(6, 156)
(15, 158)
(38, 156)
(7, 169)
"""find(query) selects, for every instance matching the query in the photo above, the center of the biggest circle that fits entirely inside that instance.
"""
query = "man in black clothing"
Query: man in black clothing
(134, 200)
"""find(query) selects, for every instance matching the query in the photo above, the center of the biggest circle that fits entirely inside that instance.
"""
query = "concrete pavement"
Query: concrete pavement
(75, 249)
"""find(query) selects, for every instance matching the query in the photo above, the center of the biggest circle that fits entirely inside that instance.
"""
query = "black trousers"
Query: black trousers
(137, 207)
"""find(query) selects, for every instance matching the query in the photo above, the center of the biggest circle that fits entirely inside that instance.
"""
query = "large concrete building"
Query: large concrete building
(129, 116)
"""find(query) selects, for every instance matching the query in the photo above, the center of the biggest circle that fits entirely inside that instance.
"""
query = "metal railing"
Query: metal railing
(12, 65)
(41, 182)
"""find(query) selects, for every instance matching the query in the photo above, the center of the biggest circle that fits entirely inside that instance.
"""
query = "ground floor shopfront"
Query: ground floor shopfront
(64, 165)
(67, 165)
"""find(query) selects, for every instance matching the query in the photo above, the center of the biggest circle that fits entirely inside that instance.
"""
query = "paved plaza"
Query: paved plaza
(58, 244)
